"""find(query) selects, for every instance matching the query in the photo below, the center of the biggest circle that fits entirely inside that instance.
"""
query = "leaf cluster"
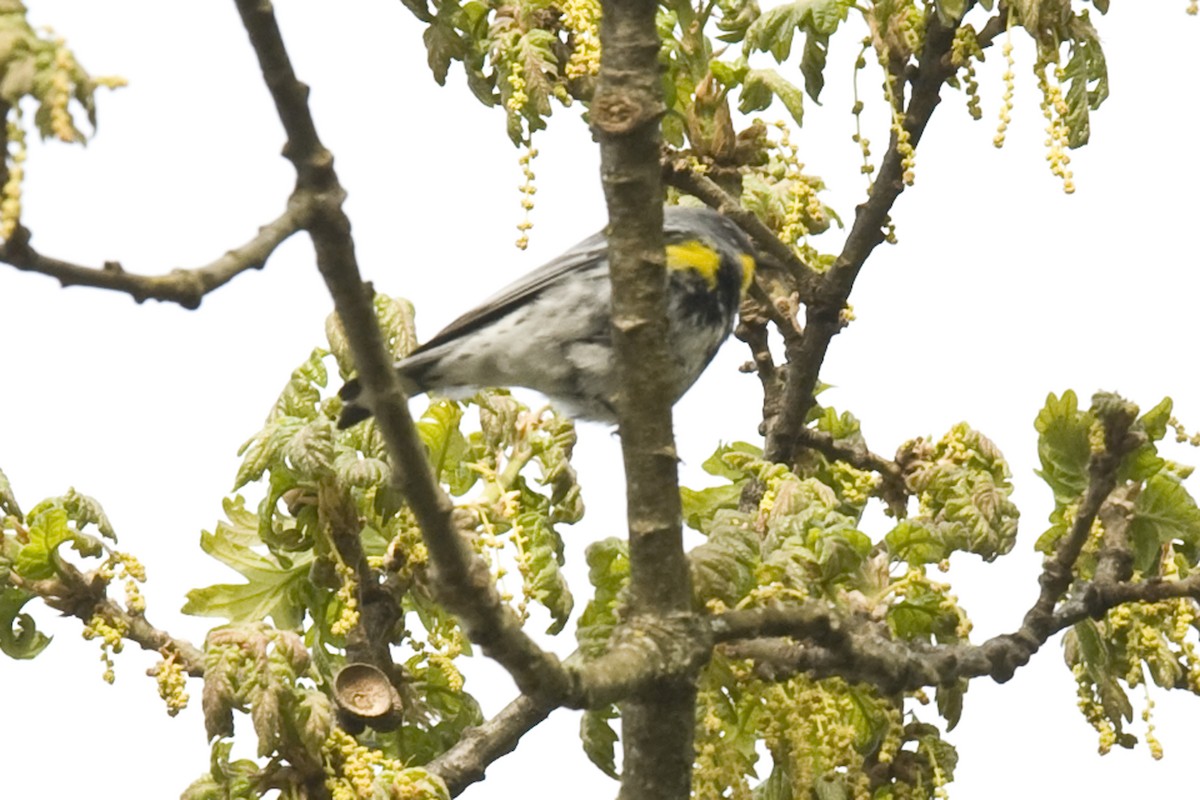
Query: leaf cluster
(30, 550)
(1151, 523)
(801, 542)
(333, 557)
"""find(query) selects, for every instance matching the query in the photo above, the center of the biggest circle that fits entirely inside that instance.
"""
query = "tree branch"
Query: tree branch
(657, 723)
(465, 762)
(892, 488)
(823, 643)
(464, 582)
(823, 314)
(187, 287)
(1116, 416)
(833, 643)
(83, 596)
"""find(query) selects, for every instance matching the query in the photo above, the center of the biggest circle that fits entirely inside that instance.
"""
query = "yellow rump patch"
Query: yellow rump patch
(748, 266)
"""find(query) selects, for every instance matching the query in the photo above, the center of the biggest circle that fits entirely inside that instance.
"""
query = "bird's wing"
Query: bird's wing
(520, 292)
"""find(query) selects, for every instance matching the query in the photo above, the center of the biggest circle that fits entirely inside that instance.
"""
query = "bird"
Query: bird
(550, 331)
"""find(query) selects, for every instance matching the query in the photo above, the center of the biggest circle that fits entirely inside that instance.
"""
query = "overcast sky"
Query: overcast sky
(1001, 289)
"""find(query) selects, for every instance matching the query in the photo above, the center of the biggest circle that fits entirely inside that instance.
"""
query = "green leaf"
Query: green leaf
(8, 500)
(85, 510)
(310, 450)
(302, 393)
(443, 43)
(1063, 446)
(962, 483)
(19, 636)
(226, 780)
(830, 786)
(542, 549)
(950, 703)
(812, 65)
(699, 505)
(723, 567)
(1086, 74)
(729, 73)
(397, 320)
(439, 430)
(760, 86)
(48, 529)
(18, 80)
(1154, 422)
(1094, 652)
(608, 572)
(871, 726)
(915, 544)
(271, 589)
(599, 739)
(314, 720)
(951, 11)
(774, 30)
(265, 448)
(716, 464)
(777, 786)
(1163, 512)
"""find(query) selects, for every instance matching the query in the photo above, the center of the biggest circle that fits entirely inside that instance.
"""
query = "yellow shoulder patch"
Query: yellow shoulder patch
(696, 256)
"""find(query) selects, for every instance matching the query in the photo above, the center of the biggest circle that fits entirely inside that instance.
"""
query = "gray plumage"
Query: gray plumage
(550, 330)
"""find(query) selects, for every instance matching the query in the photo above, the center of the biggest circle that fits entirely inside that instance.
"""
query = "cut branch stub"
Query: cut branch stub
(617, 112)
(364, 694)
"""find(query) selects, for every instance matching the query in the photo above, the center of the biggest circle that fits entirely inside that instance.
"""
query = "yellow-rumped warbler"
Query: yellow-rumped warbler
(550, 331)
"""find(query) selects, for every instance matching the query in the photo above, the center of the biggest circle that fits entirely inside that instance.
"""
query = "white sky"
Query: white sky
(1001, 290)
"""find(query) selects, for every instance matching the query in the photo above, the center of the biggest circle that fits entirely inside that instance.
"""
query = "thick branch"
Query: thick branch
(464, 582)
(826, 642)
(187, 287)
(657, 723)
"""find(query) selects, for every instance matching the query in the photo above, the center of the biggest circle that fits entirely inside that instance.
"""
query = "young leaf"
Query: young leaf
(19, 636)
(599, 739)
(271, 589)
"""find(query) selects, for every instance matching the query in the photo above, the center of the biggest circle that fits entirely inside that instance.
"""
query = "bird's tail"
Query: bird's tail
(355, 410)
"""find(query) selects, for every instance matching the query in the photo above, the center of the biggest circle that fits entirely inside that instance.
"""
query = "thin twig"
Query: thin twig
(823, 314)
(82, 595)
(187, 287)
(466, 761)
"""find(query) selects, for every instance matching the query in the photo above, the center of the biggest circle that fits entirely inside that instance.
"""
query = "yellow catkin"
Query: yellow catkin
(10, 195)
(802, 199)
(964, 51)
(1054, 109)
(1009, 82)
(111, 636)
(908, 154)
(864, 144)
(582, 19)
(1181, 434)
(527, 189)
(172, 682)
(347, 595)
